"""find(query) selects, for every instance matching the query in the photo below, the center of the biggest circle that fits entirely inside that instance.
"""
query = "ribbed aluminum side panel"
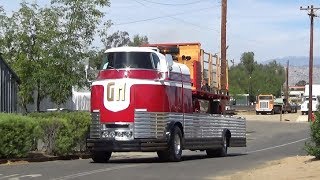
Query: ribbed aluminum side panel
(190, 126)
(95, 127)
(152, 125)
(149, 125)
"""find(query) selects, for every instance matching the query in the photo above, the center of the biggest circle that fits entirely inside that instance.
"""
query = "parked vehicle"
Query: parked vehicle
(265, 104)
(315, 99)
(305, 105)
(281, 105)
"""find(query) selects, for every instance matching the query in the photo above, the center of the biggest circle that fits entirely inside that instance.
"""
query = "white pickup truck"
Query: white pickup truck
(305, 104)
(315, 99)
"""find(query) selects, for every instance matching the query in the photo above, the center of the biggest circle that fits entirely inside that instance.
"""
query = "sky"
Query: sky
(269, 28)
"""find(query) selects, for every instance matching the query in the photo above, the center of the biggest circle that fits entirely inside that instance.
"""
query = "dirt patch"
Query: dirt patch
(298, 167)
(287, 117)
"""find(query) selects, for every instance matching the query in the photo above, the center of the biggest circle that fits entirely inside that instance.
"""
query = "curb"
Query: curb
(45, 159)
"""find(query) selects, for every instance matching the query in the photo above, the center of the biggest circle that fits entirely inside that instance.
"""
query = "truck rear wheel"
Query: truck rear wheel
(174, 151)
(220, 152)
(101, 156)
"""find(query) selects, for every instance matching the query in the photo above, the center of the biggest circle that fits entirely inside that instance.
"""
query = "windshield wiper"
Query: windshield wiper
(113, 68)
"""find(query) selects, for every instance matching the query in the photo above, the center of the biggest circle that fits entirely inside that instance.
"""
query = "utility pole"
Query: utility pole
(287, 83)
(311, 12)
(223, 45)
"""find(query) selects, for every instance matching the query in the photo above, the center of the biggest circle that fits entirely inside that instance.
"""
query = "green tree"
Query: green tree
(139, 40)
(247, 59)
(47, 46)
(79, 23)
(254, 79)
(237, 80)
(117, 39)
(301, 83)
(20, 46)
(122, 38)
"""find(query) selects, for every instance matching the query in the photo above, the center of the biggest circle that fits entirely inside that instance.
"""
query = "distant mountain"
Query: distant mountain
(295, 61)
(299, 68)
(297, 73)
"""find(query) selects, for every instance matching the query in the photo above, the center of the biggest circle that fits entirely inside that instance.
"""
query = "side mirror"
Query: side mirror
(169, 61)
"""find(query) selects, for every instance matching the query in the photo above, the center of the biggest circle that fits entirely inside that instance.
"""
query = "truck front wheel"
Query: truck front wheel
(175, 145)
(101, 156)
(174, 151)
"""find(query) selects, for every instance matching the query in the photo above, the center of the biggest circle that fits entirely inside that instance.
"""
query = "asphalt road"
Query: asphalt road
(266, 141)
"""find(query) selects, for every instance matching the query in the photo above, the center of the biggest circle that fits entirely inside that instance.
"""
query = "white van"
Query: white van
(305, 104)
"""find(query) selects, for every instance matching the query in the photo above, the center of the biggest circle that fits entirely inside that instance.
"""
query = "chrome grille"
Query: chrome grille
(264, 104)
(95, 126)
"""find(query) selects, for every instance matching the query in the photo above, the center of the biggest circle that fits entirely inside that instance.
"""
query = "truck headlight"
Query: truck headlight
(123, 135)
(112, 134)
(108, 134)
(105, 134)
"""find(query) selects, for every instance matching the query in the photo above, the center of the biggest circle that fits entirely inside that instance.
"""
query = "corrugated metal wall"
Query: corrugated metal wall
(8, 88)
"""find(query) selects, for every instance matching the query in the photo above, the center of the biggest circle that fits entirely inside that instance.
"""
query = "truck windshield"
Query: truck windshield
(119, 60)
(265, 97)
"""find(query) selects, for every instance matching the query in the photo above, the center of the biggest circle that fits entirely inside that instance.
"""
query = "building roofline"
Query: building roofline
(11, 71)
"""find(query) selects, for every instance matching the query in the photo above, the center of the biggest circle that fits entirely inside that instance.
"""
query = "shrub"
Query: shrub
(313, 147)
(64, 132)
(18, 135)
(50, 130)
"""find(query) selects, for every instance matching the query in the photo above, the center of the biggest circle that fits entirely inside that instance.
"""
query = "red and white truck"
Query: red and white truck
(150, 99)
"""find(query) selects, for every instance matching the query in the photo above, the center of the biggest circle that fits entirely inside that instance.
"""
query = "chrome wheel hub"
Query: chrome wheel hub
(177, 144)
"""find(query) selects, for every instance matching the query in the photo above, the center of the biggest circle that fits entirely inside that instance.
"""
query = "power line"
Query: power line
(170, 4)
(181, 20)
(195, 25)
(160, 17)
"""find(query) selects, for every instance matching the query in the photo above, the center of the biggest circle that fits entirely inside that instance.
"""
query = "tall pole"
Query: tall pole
(223, 45)
(287, 83)
(312, 14)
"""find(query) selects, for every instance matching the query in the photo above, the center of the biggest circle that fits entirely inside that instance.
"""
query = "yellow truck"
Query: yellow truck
(265, 104)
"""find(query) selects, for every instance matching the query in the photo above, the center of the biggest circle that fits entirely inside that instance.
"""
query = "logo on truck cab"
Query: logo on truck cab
(116, 95)
(116, 92)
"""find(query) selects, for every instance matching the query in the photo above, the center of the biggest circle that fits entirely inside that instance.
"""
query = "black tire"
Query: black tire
(175, 145)
(101, 156)
(272, 112)
(220, 152)
(257, 112)
(174, 151)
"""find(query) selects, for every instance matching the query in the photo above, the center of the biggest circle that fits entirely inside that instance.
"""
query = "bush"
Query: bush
(18, 135)
(313, 147)
(64, 132)
(50, 130)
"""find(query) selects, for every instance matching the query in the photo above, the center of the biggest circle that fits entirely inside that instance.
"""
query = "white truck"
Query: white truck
(315, 99)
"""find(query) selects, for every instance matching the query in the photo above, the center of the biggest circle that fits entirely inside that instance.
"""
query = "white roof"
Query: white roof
(130, 49)
(296, 92)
